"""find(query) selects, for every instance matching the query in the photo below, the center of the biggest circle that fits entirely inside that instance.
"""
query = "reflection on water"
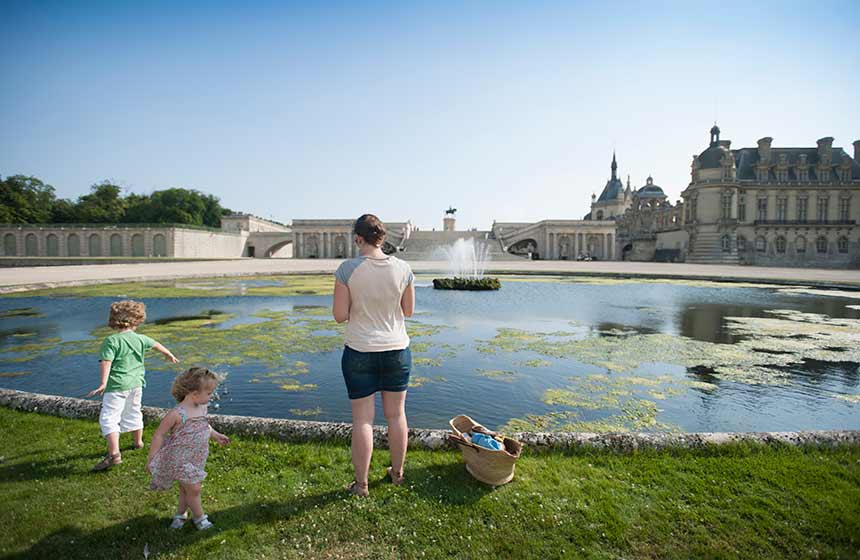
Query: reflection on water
(537, 354)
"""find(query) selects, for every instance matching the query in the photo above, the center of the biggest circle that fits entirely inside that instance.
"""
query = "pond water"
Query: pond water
(543, 353)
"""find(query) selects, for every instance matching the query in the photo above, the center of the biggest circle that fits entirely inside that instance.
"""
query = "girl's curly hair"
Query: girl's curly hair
(193, 380)
(126, 314)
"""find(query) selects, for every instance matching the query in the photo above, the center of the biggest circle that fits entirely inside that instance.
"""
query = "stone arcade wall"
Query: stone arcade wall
(301, 430)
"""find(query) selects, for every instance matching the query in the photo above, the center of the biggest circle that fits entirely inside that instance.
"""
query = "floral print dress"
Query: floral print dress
(183, 454)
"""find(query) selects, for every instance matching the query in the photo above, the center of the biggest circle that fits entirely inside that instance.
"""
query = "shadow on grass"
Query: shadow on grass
(128, 538)
(59, 467)
(449, 484)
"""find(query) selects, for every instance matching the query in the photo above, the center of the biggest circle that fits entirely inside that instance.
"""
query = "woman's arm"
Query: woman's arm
(340, 307)
(407, 300)
(167, 353)
(105, 373)
(167, 424)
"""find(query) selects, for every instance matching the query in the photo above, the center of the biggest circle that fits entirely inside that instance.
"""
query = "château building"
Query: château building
(773, 206)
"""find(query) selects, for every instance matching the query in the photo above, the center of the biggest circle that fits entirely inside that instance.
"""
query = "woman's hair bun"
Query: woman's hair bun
(370, 228)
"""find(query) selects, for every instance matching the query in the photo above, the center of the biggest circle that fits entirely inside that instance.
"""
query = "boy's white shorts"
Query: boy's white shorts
(121, 411)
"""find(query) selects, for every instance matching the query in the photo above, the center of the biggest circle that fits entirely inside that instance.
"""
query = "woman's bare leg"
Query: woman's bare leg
(362, 436)
(394, 407)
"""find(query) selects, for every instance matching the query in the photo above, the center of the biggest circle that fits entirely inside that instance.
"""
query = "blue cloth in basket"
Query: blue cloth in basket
(486, 441)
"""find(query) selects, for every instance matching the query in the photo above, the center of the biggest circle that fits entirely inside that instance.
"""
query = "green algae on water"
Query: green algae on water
(535, 363)
(417, 381)
(306, 412)
(767, 346)
(20, 312)
(271, 285)
(423, 361)
(500, 374)
(293, 385)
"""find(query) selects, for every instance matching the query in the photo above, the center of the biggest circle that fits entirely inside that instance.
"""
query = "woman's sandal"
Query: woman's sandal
(396, 480)
(357, 489)
(107, 462)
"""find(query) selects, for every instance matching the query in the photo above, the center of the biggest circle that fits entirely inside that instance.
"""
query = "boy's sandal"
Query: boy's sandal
(203, 523)
(179, 521)
(357, 489)
(107, 462)
(136, 446)
(396, 480)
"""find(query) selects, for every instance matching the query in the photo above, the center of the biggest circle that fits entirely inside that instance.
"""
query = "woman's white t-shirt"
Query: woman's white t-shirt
(376, 285)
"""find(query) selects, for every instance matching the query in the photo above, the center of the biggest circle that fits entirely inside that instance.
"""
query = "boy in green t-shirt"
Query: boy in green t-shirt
(123, 380)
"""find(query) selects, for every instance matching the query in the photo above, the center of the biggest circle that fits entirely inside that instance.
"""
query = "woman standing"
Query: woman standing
(374, 292)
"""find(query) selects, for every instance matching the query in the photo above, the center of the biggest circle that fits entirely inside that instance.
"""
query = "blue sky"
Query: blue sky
(508, 111)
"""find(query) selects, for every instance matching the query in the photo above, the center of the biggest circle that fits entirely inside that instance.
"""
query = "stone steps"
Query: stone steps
(708, 249)
(424, 245)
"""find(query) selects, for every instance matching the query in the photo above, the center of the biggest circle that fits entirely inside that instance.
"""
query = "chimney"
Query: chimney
(727, 144)
(764, 149)
(857, 151)
(825, 146)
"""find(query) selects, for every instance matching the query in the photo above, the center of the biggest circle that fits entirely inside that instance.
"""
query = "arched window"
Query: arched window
(73, 245)
(31, 245)
(843, 244)
(600, 214)
(780, 245)
(726, 243)
(52, 245)
(159, 245)
(137, 245)
(742, 243)
(760, 244)
(10, 245)
(821, 244)
(116, 245)
(800, 244)
(95, 245)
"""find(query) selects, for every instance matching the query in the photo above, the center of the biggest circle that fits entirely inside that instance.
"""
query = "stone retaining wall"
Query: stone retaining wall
(301, 430)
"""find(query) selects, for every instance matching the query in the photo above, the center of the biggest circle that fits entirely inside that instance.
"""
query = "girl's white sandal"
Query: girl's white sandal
(179, 521)
(203, 523)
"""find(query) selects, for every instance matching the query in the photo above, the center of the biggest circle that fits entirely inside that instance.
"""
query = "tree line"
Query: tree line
(28, 200)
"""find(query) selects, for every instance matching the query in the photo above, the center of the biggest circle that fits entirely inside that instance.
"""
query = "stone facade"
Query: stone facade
(87, 240)
(333, 239)
(559, 239)
(614, 200)
(774, 206)
(651, 228)
(237, 238)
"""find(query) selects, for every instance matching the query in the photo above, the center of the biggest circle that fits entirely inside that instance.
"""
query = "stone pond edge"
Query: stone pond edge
(303, 430)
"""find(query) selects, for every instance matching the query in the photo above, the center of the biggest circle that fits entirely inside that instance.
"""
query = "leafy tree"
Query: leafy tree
(29, 200)
(138, 209)
(104, 204)
(25, 200)
(64, 211)
(184, 206)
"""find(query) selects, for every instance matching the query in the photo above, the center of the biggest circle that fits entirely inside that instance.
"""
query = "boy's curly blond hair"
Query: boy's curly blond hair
(194, 379)
(126, 314)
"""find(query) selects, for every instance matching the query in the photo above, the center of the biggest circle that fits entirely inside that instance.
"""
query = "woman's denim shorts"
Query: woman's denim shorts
(368, 372)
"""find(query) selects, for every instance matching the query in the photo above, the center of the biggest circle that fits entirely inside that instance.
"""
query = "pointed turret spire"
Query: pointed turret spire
(614, 166)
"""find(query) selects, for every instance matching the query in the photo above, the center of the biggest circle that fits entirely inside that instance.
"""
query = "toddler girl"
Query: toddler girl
(180, 445)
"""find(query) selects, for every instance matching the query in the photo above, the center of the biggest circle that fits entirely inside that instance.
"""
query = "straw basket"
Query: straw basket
(490, 466)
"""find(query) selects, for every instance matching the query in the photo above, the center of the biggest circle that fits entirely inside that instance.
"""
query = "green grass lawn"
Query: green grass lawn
(274, 500)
